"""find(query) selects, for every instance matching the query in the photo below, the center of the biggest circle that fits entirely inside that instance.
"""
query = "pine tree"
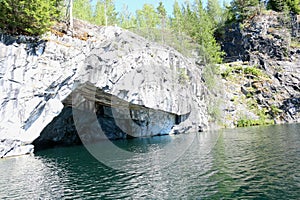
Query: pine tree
(214, 11)
(147, 17)
(283, 5)
(100, 17)
(195, 22)
(27, 16)
(294, 6)
(105, 13)
(210, 49)
(126, 19)
(162, 14)
(82, 9)
(276, 5)
(243, 9)
(177, 20)
(190, 20)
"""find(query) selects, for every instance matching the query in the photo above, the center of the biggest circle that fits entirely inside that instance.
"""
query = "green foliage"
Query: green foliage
(161, 10)
(263, 114)
(295, 43)
(199, 26)
(264, 119)
(189, 25)
(245, 70)
(182, 76)
(245, 122)
(214, 110)
(28, 17)
(82, 9)
(126, 19)
(147, 17)
(275, 110)
(105, 13)
(276, 5)
(177, 20)
(215, 12)
(210, 73)
(294, 6)
(162, 14)
(241, 10)
(254, 71)
(282, 5)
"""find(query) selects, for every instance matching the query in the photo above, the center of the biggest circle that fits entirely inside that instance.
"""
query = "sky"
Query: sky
(134, 5)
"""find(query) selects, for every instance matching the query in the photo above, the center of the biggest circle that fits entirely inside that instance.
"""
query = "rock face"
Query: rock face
(63, 88)
(10, 148)
(266, 46)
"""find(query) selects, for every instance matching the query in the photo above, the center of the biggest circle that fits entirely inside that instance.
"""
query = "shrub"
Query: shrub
(28, 17)
(244, 122)
(183, 77)
(246, 70)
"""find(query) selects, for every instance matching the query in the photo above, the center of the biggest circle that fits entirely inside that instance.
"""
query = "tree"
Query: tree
(28, 17)
(214, 11)
(162, 14)
(243, 9)
(105, 13)
(100, 17)
(210, 50)
(282, 5)
(294, 6)
(276, 5)
(147, 17)
(82, 9)
(69, 15)
(177, 20)
(126, 19)
(190, 20)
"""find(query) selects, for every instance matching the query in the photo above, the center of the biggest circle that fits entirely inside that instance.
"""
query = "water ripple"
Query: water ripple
(252, 163)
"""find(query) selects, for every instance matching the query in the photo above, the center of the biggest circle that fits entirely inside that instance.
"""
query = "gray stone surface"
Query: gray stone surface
(9, 148)
(35, 87)
(264, 43)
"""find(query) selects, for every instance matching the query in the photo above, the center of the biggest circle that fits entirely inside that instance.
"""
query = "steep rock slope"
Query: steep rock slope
(113, 81)
(265, 80)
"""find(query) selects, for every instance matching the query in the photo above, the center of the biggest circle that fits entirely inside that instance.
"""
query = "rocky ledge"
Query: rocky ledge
(264, 82)
(62, 90)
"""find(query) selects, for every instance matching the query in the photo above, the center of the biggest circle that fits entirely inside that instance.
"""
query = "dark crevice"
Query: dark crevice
(92, 121)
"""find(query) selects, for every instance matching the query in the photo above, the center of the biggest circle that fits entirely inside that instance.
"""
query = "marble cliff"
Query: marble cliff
(63, 89)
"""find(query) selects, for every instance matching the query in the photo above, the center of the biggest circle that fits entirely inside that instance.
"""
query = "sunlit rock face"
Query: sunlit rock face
(106, 117)
(116, 81)
(265, 43)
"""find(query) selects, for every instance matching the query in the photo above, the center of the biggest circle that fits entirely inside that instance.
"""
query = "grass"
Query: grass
(295, 44)
(245, 122)
(264, 117)
(245, 70)
(214, 110)
(275, 110)
(182, 76)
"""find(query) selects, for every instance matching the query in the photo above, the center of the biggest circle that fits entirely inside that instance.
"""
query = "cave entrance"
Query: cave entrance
(97, 113)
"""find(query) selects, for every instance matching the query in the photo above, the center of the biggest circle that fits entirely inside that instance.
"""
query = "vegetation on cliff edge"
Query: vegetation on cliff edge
(28, 17)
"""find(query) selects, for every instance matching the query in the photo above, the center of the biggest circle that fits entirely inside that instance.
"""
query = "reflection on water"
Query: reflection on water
(259, 162)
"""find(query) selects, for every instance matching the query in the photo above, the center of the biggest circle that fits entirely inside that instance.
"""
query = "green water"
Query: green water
(248, 163)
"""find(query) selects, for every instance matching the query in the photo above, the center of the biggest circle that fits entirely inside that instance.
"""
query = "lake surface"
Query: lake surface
(246, 163)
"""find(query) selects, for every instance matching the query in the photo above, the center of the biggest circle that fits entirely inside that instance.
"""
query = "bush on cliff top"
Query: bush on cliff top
(282, 5)
(28, 17)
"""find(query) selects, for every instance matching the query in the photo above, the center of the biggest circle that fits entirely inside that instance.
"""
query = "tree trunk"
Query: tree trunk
(71, 16)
